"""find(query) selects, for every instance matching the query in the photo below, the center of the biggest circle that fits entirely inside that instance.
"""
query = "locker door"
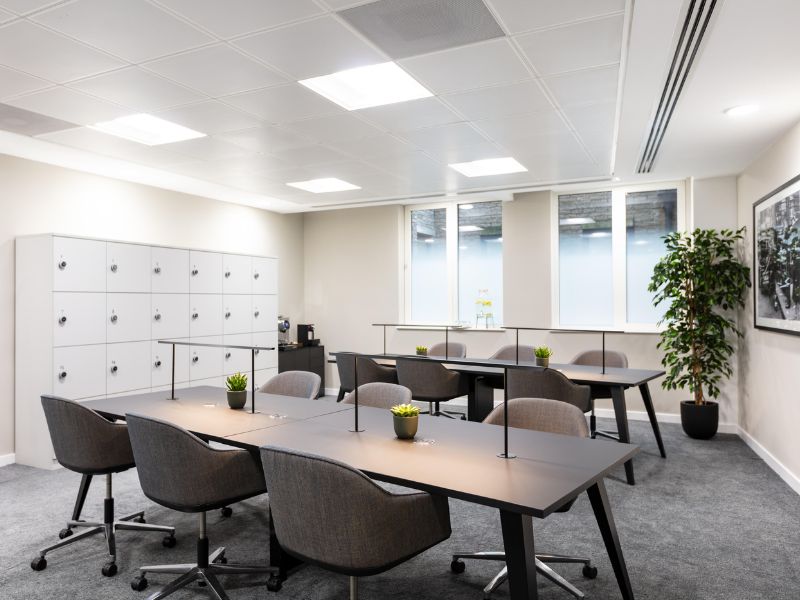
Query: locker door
(79, 371)
(266, 359)
(236, 311)
(79, 318)
(127, 268)
(205, 272)
(169, 270)
(205, 315)
(236, 360)
(169, 315)
(205, 362)
(265, 275)
(236, 274)
(265, 313)
(128, 317)
(128, 367)
(161, 364)
(79, 265)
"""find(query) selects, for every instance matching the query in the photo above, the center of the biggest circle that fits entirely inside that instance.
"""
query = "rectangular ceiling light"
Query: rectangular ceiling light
(489, 166)
(147, 129)
(324, 185)
(373, 85)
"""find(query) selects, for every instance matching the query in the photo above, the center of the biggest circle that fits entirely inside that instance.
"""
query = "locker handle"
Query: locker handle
(255, 275)
(157, 363)
(114, 267)
(227, 355)
(63, 319)
(255, 314)
(195, 271)
(114, 318)
(62, 264)
(195, 315)
(257, 351)
(195, 359)
(227, 274)
(228, 315)
(114, 368)
(62, 375)
(156, 270)
(157, 316)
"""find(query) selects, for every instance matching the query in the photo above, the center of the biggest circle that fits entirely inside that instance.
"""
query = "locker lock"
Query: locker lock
(114, 368)
(157, 363)
(156, 269)
(62, 264)
(62, 375)
(195, 315)
(114, 318)
(157, 316)
(228, 315)
(255, 275)
(227, 355)
(255, 314)
(194, 271)
(227, 274)
(113, 267)
(256, 352)
(62, 319)
(195, 358)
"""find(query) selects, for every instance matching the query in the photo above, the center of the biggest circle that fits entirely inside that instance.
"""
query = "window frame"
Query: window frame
(619, 263)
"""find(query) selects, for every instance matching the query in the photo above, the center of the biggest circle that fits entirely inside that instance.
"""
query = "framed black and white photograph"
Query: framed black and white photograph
(776, 259)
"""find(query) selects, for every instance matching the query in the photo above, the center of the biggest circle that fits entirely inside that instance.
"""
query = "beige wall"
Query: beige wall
(769, 378)
(39, 198)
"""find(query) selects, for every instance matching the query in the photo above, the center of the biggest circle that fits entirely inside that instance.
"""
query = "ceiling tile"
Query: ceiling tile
(593, 119)
(209, 117)
(50, 55)
(445, 136)
(14, 83)
(6, 16)
(207, 148)
(283, 103)
(132, 29)
(236, 17)
(405, 116)
(70, 105)
(310, 155)
(312, 48)
(265, 139)
(216, 70)
(558, 147)
(137, 89)
(455, 153)
(524, 15)
(515, 127)
(468, 67)
(22, 7)
(24, 122)
(585, 87)
(572, 47)
(500, 101)
(334, 128)
(383, 145)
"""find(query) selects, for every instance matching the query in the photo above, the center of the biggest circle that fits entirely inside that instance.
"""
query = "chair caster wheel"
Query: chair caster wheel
(169, 541)
(274, 583)
(39, 563)
(139, 520)
(458, 566)
(109, 569)
(226, 511)
(589, 572)
(64, 533)
(139, 583)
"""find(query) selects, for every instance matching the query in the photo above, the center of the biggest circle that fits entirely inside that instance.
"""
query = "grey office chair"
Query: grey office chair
(552, 416)
(91, 445)
(535, 382)
(368, 371)
(303, 384)
(594, 358)
(454, 350)
(331, 515)
(182, 472)
(379, 395)
(508, 352)
(433, 383)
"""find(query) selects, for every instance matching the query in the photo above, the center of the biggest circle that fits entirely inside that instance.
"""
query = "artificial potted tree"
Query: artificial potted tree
(703, 282)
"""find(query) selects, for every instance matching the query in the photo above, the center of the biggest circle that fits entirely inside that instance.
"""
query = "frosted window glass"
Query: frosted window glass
(585, 265)
(429, 302)
(480, 264)
(649, 215)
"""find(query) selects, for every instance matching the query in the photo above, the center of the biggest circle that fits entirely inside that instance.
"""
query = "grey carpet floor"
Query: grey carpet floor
(710, 522)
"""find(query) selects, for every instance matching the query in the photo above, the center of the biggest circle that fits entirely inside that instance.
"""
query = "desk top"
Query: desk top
(461, 463)
(491, 366)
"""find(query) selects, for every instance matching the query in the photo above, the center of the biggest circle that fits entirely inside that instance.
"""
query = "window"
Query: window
(606, 246)
(454, 264)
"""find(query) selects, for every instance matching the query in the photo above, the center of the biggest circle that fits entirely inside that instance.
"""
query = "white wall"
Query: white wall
(769, 378)
(39, 198)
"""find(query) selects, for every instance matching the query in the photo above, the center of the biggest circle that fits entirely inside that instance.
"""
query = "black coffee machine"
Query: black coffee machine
(305, 335)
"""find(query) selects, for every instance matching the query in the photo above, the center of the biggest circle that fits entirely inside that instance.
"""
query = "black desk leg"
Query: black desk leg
(86, 481)
(605, 520)
(651, 412)
(621, 413)
(480, 398)
(520, 557)
(278, 558)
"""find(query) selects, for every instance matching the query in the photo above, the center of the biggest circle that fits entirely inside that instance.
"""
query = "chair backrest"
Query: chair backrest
(547, 383)
(594, 358)
(454, 350)
(84, 441)
(368, 371)
(326, 512)
(509, 352)
(302, 384)
(541, 414)
(427, 380)
(379, 395)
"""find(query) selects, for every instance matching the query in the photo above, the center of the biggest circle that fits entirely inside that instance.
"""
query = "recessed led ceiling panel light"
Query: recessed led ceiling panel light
(741, 111)
(373, 85)
(489, 166)
(324, 185)
(147, 129)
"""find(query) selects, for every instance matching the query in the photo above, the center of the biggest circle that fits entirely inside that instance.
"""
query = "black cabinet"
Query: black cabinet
(304, 358)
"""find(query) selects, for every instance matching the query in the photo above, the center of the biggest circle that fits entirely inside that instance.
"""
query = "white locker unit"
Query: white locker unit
(90, 313)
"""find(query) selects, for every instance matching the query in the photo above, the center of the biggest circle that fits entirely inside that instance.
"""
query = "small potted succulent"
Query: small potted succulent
(237, 390)
(542, 354)
(406, 420)
(422, 351)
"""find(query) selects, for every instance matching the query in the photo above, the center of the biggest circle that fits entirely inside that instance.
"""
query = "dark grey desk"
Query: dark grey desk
(616, 380)
(461, 463)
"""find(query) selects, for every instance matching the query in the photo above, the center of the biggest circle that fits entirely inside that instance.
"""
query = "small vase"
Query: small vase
(405, 428)
(542, 362)
(422, 353)
(237, 399)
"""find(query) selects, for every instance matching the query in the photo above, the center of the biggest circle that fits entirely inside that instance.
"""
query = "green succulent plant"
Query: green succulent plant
(422, 349)
(405, 410)
(542, 352)
(237, 382)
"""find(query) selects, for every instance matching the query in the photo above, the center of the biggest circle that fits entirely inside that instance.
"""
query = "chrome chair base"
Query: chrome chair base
(457, 566)
(443, 413)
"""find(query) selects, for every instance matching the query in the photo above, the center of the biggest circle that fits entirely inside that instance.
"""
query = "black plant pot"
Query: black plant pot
(700, 421)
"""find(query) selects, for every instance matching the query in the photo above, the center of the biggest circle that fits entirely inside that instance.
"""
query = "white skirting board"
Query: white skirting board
(792, 480)
(7, 459)
(640, 415)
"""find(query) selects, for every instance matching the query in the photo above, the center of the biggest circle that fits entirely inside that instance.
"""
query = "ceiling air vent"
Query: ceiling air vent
(692, 32)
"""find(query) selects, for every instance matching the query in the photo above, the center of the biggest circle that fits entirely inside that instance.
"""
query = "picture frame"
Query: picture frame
(776, 259)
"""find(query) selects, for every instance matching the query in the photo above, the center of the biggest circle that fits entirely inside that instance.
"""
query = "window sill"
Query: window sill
(452, 329)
